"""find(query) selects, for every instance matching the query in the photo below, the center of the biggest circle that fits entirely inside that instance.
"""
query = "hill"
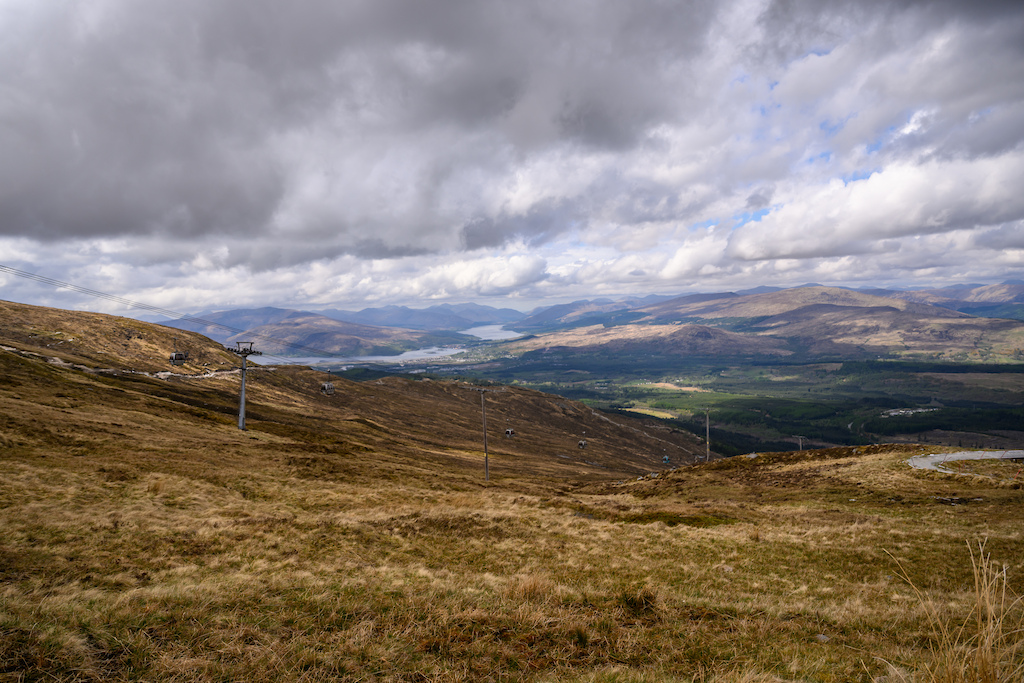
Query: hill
(812, 320)
(580, 313)
(78, 355)
(441, 317)
(221, 325)
(768, 304)
(1005, 300)
(289, 332)
(99, 342)
(353, 537)
(306, 334)
(638, 340)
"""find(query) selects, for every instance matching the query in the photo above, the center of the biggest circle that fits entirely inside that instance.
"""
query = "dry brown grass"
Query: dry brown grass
(143, 537)
(984, 646)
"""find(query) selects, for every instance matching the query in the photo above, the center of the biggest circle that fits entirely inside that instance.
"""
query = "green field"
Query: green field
(757, 405)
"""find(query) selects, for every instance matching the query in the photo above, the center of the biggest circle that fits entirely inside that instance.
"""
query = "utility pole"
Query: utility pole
(707, 434)
(800, 442)
(243, 349)
(483, 412)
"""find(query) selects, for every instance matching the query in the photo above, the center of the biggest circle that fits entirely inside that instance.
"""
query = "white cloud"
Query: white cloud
(903, 199)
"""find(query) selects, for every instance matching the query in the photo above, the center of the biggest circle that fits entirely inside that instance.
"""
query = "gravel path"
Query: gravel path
(937, 462)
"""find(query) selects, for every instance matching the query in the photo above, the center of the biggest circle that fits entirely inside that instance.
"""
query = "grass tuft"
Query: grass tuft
(986, 645)
(641, 600)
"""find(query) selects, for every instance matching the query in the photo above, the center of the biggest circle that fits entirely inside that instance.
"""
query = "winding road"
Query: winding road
(938, 461)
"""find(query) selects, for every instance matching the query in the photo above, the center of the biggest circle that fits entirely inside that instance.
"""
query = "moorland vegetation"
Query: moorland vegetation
(353, 537)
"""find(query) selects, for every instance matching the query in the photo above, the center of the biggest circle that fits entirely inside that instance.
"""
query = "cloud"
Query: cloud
(244, 141)
(904, 199)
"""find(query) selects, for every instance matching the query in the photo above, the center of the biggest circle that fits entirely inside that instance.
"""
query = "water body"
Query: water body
(485, 332)
(491, 332)
(417, 354)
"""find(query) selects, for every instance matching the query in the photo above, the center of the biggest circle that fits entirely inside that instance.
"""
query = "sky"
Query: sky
(198, 155)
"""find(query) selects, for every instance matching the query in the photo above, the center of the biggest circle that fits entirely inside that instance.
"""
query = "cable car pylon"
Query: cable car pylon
(243, 349)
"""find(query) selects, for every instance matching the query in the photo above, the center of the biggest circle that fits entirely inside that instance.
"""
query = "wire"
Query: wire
(171, 314)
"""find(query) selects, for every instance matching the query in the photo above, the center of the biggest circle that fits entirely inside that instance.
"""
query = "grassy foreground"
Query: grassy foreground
(218, 568)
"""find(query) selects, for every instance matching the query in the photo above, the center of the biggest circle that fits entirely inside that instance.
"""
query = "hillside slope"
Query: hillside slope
(1005, 300)
(671, 340)
(138, 402)
(773, 303)
(812, 320)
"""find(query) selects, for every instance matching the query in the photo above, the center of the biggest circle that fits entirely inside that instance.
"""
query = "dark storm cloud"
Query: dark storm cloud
(166, 118)
(542, 222)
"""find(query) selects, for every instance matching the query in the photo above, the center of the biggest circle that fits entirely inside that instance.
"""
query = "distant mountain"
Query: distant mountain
(302, 333)
(482, 315)
(1005, 300)
(630, 341)
(221, 325)
(760, 290)
(729, 305)
(287, 332)
(441, 317)
(401, 316)
(584, 312)
(807, 320)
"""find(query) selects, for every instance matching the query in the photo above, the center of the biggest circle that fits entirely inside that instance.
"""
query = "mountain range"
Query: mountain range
(1004, 300)
(813, 320)
(441, 317)
(955, 321)
(283, 331)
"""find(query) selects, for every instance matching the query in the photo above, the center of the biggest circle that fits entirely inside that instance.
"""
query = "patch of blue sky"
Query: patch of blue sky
(860, 174)
(704, 225)
(886, 135)
(980, 115)
(825, 156)
(741, 77)
(830, 128)
(750, 217)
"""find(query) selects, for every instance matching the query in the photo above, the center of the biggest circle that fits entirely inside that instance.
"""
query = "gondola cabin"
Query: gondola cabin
(509, 433)
(327, 389)
(179, 358)
(582, 443)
